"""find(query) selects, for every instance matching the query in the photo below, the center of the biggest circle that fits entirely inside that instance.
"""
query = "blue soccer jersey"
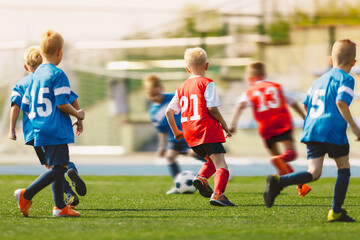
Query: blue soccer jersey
(158, 117)
(49, 88)
(324, 122)
(17, 95)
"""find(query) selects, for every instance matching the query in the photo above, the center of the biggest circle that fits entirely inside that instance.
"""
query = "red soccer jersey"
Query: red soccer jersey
(198, 125)
(269, 108)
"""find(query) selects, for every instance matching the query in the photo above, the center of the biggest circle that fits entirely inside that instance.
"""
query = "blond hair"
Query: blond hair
(195, 57)
(51, 42)
(152, 81)
(32, 56)
(256, 69)
(343, 52)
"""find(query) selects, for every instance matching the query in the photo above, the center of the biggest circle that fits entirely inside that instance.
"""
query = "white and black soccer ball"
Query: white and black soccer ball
(183, 182)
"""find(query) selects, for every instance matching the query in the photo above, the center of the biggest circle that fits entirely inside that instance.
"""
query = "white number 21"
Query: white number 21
(184, 103)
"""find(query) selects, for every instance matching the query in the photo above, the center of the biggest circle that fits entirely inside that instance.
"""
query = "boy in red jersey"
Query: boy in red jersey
(268, 101)
(202, 124)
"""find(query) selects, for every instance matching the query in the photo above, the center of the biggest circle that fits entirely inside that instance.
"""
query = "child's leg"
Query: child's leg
(44, 180)
(173, 165)
(72, 166)
(342, 183)
(208, 169)
(222, 174)
(58, 190)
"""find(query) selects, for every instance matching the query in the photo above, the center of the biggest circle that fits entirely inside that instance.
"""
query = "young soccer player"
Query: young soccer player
(47, 103)
(324, 131)
(268, 101)
(33, 59)
(168, 146)
(197, 101)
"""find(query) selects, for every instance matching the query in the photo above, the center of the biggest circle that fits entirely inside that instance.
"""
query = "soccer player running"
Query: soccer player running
(269, 103)
(168, 146)
(197, 101)
(47, 103)
(33, 59)
(324, 131)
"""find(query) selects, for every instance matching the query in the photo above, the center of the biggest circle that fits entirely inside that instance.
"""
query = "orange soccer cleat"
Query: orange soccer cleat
(280, 165)
(23, 203)
(303, 189)
(67, 211)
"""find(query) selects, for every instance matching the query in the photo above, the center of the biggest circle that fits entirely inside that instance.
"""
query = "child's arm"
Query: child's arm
(345, 112)
(297, 109)
(215, 113)
(171, 120)
(14, 114)
(69, 109)
(239, 109)
(77, 122)
(162, 144)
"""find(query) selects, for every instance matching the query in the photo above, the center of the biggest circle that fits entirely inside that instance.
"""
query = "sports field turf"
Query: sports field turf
(120, 207)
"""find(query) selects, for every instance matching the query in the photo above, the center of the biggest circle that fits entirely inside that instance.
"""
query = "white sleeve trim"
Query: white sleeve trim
(211, 97)
(175, 104)
(25, 100)
(347, 90)
(15, 93)
(62, 90)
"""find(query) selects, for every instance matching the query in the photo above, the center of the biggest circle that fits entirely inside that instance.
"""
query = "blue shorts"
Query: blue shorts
(57, 154)
(181, 147)
(319, 149)
(207, 149)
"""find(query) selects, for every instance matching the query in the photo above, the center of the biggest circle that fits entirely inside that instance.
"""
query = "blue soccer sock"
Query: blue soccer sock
(72, 166)
(58, 192)
(45, 179)
(67, 188)
(341, 186)
(295, 178)
(174, 169)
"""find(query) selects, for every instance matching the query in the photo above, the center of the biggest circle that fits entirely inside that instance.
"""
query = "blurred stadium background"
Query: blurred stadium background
(112, 45)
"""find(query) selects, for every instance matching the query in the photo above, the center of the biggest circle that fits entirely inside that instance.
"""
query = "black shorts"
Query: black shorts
(318, 149)
(207, 149)
(284, 136)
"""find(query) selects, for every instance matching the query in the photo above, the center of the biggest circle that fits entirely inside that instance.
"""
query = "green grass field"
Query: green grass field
(120, 207)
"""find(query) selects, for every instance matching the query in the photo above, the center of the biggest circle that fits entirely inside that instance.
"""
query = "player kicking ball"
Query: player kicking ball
(324, 131)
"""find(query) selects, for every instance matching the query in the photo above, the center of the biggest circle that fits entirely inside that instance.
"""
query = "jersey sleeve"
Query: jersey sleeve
(175, 104)
(346, 91)
(307, 98)
(211, 97)
(244, 99)
(16, 96)
(288, 97)
(73, 96)
(62, 90)
(25, 102)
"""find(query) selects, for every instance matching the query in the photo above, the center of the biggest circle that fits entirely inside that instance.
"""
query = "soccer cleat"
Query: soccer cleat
(280, 165)
(72, 200)
(203, 186)
(67, 211)
(303, 189)
(220, 200)
(173, 190)
(339, 217)
(273, 189)
(23, 203)
(77, 182)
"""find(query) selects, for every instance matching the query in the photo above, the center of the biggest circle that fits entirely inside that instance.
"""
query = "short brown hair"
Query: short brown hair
(32, 56)
(51, 42)
(256, 69)
(343, 52)
(152, 81)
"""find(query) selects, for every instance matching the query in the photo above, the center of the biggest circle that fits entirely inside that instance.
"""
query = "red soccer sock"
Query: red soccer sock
(291, 170)
(208, 169)
(221, 179)
(288, 155)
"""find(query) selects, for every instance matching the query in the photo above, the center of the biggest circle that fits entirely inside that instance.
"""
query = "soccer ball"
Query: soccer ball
(183, 182)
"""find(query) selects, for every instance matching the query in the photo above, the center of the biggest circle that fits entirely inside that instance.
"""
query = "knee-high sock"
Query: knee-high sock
(221, 179)
(45, 179)
(174, 169)
(58, 192)
(208, 169)
(288, 155)
(72, 166)
(295, 178)
(341, 186)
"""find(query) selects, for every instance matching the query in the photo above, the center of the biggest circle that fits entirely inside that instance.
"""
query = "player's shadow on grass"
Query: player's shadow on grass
(145, 210)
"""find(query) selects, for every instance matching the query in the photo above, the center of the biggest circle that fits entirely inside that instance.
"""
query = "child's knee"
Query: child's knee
(289, 155)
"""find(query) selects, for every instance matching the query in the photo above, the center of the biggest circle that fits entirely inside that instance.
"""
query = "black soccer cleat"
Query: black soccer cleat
(220, 200)
(77, 182)
(202, 185)
(72, 200)
(273, 189)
